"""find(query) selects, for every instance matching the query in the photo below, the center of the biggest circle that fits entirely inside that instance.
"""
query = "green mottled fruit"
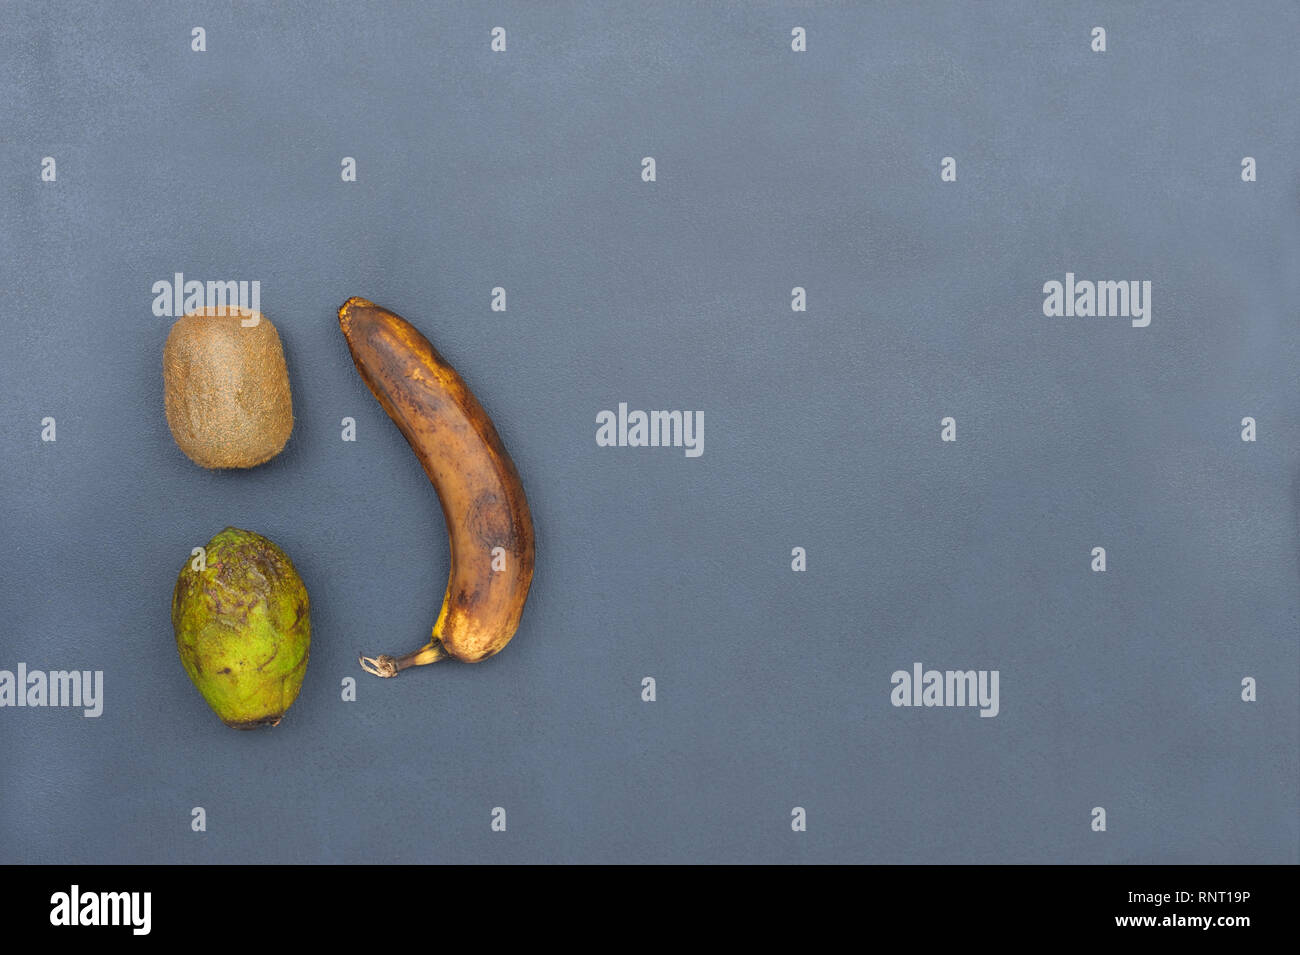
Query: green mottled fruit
(243, 628)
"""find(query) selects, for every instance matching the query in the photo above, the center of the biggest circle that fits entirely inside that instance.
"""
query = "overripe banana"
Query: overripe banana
(487, 516)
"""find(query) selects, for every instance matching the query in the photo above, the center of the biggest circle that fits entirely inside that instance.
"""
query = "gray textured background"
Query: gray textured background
(774, 169)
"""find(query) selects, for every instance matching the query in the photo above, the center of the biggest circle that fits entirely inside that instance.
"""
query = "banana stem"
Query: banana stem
(386, 666)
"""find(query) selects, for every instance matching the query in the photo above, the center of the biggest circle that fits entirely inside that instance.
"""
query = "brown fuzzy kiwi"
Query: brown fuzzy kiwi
(226, 388)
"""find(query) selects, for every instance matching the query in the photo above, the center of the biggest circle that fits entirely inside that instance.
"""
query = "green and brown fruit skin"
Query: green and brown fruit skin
(243, 628)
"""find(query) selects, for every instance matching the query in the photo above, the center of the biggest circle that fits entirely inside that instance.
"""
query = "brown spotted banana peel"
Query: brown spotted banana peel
(488, 521)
